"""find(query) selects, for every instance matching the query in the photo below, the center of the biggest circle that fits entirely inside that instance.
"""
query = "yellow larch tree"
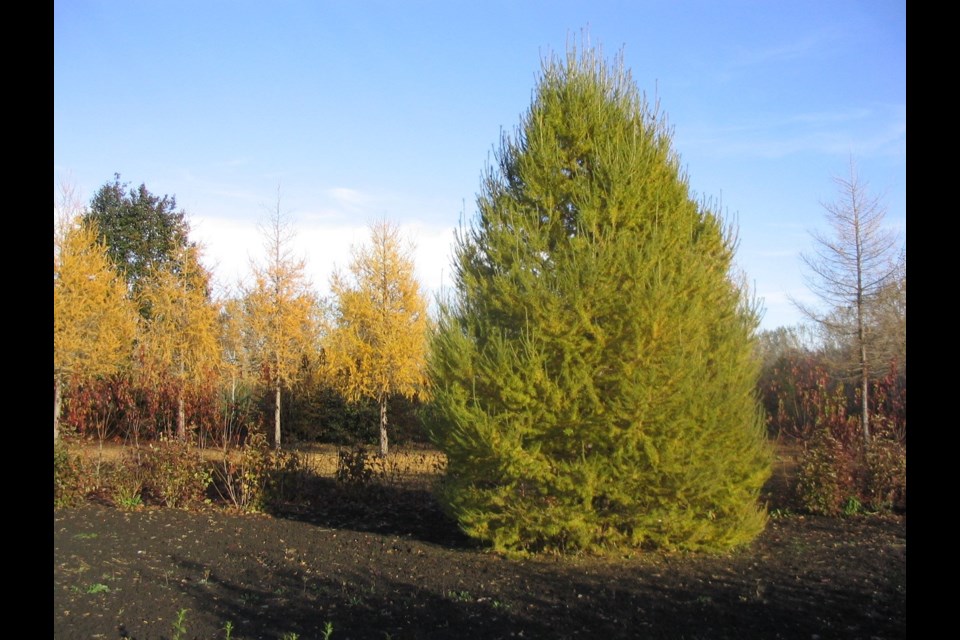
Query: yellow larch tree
(94, 322)
(237, 373)
(180, 341)
(281, 314)
(377, 347)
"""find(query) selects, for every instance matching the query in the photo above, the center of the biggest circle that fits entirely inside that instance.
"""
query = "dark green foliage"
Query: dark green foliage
(142, 231)
(594, 373)
(316, 412)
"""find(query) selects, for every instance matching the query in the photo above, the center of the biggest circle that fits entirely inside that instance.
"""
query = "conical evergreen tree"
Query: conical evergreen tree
(593, 368)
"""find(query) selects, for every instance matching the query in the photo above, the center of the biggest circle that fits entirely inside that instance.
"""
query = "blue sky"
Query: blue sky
(361, 110)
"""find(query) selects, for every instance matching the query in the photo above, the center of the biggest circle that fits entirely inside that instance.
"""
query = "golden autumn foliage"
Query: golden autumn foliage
(236, 365)
(281, 315)
(180, 341)
(378, 345)
(93, 321)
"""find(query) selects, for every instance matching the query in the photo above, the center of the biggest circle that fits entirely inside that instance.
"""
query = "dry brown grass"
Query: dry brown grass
(407, 464)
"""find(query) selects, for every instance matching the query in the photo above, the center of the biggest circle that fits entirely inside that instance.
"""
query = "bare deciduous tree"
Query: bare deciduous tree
(850, 271)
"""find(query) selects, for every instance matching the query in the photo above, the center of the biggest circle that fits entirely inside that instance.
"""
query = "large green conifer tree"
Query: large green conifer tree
(593, 369)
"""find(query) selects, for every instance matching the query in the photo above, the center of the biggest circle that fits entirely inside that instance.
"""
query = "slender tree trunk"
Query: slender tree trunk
(384, 446)
(181, 417)
(276, 420)
(229, 422)
(864, 390)
(181, 413)
(862, 337)
(57, 397)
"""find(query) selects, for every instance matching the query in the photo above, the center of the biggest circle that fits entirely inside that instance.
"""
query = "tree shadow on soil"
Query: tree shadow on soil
(414, 512)
(745, 604)
(387, 509)
(355, 604)
(396, 509)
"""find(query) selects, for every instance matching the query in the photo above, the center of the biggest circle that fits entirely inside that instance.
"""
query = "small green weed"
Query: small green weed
(460, 596)
(327, 630)
(128, 503)
(98, 587)
(179, 625)
(852, 506)
(127, 485)
(85, 536)
(290, 636)
(228, 629)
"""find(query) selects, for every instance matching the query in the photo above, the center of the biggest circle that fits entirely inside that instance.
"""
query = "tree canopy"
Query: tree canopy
(180, 341)
(143, 233)
(281, 314)
(94, 322)
(594, 370)
(378, 344)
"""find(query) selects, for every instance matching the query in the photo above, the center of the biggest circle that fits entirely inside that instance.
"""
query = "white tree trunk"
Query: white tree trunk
(181, 418)
(57, 397)
(276, 419)
(384, 446)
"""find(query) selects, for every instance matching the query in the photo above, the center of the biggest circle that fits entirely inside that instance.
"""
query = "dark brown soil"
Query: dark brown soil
(390, 565)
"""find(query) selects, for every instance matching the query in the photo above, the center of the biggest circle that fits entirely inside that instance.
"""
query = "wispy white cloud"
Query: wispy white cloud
(341, 205)
(350, 199)
(862, 131)
(811, 44)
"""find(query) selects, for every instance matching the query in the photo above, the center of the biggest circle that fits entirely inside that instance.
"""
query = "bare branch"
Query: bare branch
(851, 272)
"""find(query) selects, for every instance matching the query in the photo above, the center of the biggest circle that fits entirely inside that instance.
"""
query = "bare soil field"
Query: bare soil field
(387, 563)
